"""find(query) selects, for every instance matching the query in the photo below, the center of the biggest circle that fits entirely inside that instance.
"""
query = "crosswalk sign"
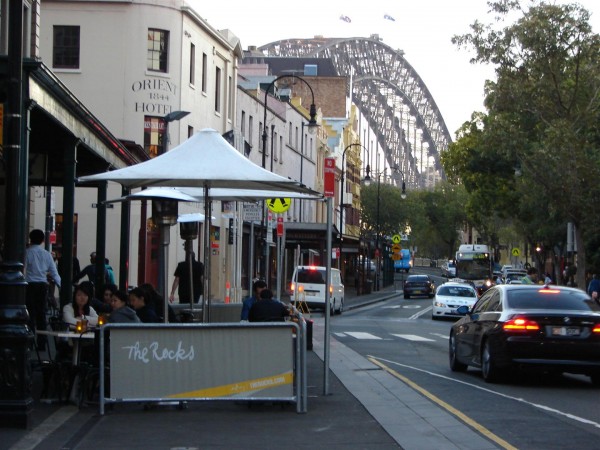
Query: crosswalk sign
(279, 205)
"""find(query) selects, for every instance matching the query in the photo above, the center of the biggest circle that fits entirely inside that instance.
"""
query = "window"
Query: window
(243, 124)
(218, 89)
(190, 131)
(204, 68)
(65, 51)
(262, 135)
(250, 128)
(290, 134)
(280, 149)
(154, 135)
(158, 50)
(192, 64)
(230, 98)
(274, 144)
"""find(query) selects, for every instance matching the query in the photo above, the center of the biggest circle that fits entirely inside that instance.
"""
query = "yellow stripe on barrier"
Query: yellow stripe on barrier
(239, 388)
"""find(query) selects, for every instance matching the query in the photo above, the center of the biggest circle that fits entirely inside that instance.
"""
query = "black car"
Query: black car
(551, 328)
(418, 285)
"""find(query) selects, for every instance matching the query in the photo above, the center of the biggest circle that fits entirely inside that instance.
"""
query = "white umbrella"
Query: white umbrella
(206, 160)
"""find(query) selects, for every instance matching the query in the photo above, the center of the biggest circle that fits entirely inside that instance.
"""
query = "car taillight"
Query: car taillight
(331, 288)
(596, 328)
(520, 325)
(292, 287)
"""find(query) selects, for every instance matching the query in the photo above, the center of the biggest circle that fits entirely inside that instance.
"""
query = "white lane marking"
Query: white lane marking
(420, 313)
(413, 337)
(361, 335)
(340, 334)
(412, 306)
(509, 397)
(48, 426)
(443, 336)
(392, 307)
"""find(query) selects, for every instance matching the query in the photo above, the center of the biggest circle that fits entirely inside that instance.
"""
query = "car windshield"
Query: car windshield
(550, 299)
(417, 278)
(456, 291)
(312, 276)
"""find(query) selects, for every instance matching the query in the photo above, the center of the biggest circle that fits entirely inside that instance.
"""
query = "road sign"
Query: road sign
(279, 205)
(396, 257)
(252, 212)
(396, 238)
(515, 251)
(280, 226)
(396, 248)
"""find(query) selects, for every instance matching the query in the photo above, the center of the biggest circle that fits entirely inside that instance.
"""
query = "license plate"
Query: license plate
(453, 311)
(417, 292)
(310, 293)
(565, 331)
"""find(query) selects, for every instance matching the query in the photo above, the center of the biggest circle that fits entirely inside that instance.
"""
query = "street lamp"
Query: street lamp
(312, 123)
(171, 117)
(342, 195)
(367, 181)
(312, 128)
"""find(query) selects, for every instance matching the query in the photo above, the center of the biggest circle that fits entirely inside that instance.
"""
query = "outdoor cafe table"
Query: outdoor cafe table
(73, 336)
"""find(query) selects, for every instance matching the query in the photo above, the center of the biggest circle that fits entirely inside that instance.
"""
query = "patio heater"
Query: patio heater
(164, 214)
(189, 229)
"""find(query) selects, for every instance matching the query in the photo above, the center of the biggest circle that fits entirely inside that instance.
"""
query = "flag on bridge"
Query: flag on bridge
(388, 17)
(345, 18)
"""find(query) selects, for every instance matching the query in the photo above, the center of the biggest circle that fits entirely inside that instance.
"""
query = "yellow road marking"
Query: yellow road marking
(466, 419)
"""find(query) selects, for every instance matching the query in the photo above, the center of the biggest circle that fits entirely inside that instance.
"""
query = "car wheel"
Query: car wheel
(434, 317)
(455, 365)
(595, 379)
(341, 308)
(406, 296)
(332, 308)
(491, 373)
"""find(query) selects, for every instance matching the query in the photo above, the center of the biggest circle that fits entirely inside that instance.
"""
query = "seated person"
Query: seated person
(137, 299)
(121, 313)
(257, 288)
(80, 307)
(267, 309)
(157, 302)
(102, 305)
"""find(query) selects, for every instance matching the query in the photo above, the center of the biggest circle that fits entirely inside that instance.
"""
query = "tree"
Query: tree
(543, 111)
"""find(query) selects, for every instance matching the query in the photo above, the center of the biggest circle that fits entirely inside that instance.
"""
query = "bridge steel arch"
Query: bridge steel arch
(391, 96)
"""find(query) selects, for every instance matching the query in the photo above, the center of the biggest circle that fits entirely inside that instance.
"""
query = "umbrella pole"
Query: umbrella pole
(207, 225)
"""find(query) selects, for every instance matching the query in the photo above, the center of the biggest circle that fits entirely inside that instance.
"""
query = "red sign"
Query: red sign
(329, 177)
(53, 237)
(280, 226)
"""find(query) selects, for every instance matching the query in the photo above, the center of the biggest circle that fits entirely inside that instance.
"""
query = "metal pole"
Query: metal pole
(326, 340)
(377, 236)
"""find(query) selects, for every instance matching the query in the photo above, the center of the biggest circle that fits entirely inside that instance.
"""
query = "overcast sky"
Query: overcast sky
(421, 28)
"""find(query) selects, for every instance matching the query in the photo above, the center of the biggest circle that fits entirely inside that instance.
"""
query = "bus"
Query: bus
(474, 264)
(405, 261)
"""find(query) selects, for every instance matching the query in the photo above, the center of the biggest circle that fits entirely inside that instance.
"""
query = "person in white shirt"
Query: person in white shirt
(80, 308)
(39, 267)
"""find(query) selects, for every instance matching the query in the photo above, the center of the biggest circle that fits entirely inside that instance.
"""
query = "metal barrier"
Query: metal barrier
(194, 362)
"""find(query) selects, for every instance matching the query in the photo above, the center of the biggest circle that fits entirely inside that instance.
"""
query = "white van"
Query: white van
(308, 286)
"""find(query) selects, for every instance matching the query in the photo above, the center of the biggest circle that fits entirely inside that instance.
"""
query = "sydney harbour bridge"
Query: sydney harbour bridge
(390, 95)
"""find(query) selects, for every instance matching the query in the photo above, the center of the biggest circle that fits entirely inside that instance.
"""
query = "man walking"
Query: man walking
(182, 281)
(39, 267)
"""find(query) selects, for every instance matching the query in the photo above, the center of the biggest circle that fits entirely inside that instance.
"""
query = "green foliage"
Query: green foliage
(542, 119)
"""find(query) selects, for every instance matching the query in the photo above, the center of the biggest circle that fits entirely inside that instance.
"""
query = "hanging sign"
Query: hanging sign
(329, 177)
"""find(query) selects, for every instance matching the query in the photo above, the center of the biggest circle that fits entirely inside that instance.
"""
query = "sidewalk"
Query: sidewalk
(367, 409)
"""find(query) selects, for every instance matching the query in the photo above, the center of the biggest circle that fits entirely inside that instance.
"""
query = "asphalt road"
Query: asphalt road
(528, 412)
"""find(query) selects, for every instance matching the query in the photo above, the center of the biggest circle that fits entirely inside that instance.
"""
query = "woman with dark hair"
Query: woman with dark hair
(102, 305)
(122, 313)
(146, 313)
(156, 301)
(80, 307)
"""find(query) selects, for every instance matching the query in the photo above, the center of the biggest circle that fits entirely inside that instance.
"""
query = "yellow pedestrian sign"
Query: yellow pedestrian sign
(396, 248)
(396, 239)
(515, 251)
(279, 205)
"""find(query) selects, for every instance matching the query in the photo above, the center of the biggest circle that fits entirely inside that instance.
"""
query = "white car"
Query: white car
(449, 269)
(449, 297)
